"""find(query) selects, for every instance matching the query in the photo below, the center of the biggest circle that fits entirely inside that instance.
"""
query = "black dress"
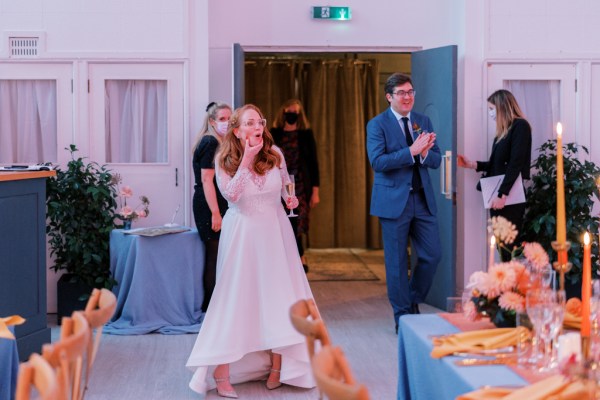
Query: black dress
(510, 156)
(204, 158)
(300, 152)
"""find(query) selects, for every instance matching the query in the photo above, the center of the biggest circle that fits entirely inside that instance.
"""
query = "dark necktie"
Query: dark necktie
(416, 177)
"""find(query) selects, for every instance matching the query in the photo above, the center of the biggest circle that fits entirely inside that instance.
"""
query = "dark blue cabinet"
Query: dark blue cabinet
(23, 257)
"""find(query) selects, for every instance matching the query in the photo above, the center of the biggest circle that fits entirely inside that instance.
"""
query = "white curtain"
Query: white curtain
(540, 102)
(28, 126)
(136, 121)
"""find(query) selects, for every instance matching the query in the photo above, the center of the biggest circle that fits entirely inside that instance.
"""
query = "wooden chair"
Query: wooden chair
(63, 354)
(36, 373)
(306, 319)
(333, 376)
(98, 311)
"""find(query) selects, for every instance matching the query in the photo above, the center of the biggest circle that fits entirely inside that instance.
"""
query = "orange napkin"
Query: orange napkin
(6, 322)
(555, 387)
(473, 341)
(572, 321)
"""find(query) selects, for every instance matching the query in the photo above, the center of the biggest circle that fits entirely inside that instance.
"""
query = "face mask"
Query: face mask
(492, 113)
(221, 127)
(291, 117)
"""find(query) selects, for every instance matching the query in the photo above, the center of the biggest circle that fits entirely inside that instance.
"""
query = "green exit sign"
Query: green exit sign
(332, 13)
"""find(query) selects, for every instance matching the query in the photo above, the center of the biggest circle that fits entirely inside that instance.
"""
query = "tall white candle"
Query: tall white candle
(492, 250)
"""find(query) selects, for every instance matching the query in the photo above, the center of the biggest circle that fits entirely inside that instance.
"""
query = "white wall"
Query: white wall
(112, 27)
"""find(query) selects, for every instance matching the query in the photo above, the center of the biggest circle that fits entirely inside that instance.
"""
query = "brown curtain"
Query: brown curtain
(339, 97)
(268, 83)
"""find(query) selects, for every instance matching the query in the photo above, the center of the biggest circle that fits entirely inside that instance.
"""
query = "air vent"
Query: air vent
(23, 47)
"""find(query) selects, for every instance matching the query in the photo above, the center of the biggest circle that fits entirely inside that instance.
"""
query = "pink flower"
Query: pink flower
(470, 311)
(523, 280)
(142, 213)
(512, 301)
(481, 281)
(536, 255)
(126, 191)
(126, 211)
(503, 278)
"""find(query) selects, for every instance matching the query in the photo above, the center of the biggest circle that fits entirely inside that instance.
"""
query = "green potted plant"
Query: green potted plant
(540, 215)
(81, 211)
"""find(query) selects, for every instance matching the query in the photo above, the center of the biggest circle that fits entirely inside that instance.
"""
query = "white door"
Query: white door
(61, 77)
(546, 94)
(160, 175)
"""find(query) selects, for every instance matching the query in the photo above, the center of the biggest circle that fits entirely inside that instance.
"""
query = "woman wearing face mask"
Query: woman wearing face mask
(208, 203)
(292, 134)
(510, 156)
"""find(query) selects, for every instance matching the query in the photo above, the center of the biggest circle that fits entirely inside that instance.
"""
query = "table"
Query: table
(422, 377)
(9, 367)
(159, 283)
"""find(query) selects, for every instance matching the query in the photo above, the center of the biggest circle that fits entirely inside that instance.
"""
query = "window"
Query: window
(136, 121)
(28, 127)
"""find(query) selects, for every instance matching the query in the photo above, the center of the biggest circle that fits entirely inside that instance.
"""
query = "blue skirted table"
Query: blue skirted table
(421, 377)
(159, 283)
(9, 367)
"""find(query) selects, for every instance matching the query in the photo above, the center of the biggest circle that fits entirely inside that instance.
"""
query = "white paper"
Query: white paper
(490, 186)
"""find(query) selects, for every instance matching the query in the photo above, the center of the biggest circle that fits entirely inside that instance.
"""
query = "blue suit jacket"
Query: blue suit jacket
(390, 158)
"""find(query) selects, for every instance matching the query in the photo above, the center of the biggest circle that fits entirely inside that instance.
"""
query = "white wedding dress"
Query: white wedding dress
(259, 276)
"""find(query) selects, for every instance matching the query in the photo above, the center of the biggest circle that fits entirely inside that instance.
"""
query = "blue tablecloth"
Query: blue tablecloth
(421, 377)
(9, 367)
(159, 283)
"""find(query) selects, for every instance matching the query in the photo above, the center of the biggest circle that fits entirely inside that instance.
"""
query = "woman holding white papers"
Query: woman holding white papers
(510, 156)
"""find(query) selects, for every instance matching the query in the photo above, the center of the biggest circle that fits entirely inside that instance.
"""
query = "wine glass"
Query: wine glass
(545, 308)
(290, 188)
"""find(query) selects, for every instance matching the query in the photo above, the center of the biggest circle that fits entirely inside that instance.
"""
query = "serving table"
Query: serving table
(159, 283)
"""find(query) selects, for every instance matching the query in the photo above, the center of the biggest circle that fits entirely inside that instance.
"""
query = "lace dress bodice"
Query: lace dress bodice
(249, 193)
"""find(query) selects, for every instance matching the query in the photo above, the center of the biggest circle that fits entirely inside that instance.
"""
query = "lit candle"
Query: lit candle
(561, 224)
(586, 285)
(492, 250)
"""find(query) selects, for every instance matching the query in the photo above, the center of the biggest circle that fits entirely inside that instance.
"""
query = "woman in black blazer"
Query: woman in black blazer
(511, 156)
(292, 134)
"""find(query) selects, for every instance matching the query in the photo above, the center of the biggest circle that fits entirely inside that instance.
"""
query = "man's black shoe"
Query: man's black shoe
(305, 268)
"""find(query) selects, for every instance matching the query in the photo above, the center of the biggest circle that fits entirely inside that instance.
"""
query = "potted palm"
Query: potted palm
(81, 206)
(540, 215)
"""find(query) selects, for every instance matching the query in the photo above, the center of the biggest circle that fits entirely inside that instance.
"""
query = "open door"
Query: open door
(434, 79)
(238, 75)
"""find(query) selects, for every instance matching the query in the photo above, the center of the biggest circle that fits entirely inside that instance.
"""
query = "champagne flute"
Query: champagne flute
(290, 188)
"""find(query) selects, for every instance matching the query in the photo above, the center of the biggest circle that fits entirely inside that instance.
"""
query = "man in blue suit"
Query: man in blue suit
(401, 147)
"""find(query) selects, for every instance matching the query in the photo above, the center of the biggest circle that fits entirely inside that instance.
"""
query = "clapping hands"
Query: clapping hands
(422, 144)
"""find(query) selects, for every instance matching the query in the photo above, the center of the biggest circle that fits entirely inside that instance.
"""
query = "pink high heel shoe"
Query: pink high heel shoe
(273, 384)
(229, 393)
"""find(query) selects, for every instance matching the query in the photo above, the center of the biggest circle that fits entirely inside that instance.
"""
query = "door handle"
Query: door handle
(446, 175)
(176, 177)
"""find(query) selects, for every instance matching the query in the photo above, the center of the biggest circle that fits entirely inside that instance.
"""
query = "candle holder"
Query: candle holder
(562, 269)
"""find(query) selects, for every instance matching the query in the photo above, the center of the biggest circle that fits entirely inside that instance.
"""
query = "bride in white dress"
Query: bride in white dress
(246, 333)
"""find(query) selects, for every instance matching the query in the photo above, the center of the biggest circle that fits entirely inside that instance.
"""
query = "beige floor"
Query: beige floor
(357, 314)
